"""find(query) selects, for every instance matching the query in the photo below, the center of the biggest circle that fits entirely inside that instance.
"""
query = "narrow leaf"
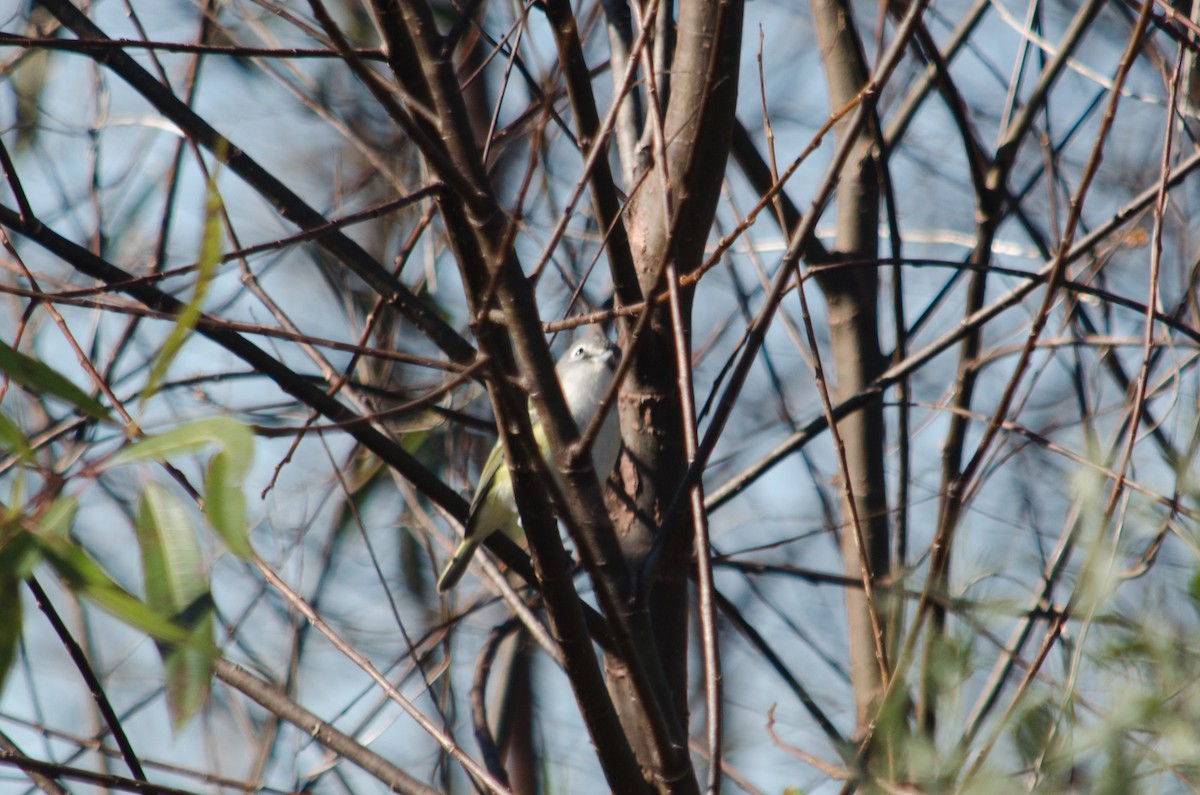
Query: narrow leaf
(12, 439)
(10, 622)
(206, 267)
(188, 669)
(225, 504)
(176, 586)
(57, 519)
(227, 433)
(18, 551)
(86, 577)
(224, 497)
(171, 563)
(39, 379)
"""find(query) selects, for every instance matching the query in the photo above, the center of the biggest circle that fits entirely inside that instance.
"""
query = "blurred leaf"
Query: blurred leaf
(188, 669)
(177, 586)
(225, 503)
(1032, 732)
(224, 497)
(230, 435)
(56, 521)
(10, 622)
(206, 267)
(1119, 773)
(413, 439)
(27, 80)
(38, 379)
(12, 439)
(85, 577)
(171, 564)
(18, 551)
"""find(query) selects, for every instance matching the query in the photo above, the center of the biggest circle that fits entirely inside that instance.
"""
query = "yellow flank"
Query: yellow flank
(585, 373)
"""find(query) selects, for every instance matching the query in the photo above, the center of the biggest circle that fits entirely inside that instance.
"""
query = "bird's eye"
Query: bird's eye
(578, 352)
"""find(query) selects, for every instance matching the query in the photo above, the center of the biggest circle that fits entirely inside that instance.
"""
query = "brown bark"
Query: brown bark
(852, 297)
(670, 214)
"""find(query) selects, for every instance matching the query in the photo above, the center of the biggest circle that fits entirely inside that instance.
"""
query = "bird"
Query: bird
(585, 372)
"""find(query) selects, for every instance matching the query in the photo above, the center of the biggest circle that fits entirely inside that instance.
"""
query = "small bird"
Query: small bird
(585, 372)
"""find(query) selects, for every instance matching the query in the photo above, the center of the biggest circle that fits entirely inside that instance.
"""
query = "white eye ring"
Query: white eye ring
(578, 352)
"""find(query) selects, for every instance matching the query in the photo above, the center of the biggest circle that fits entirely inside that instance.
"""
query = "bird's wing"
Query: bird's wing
(487, 478)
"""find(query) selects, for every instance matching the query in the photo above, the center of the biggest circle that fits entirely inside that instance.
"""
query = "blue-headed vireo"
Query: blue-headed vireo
(585, 372)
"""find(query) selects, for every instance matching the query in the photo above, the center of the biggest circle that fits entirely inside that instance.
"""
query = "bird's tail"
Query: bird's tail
(457, 566)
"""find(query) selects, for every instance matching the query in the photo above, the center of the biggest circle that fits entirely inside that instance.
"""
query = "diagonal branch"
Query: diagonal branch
(287, 203)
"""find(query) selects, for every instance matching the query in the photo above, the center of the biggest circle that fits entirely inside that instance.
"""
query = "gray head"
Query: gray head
(585, 372)
(591, 349)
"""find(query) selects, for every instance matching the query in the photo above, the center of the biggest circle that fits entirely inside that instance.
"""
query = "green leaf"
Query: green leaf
(10, 622)
(84, 576)
(225, 504)
(1120, 771)
(18, 551)
(206, 268)
(178, 614)
(171, 563)
(1032, 731)
(38, 379)
(12, 439)
(227, 433)
(176, 586)
(28, 79)
(224, 496)
(188, 669)
(57, 519)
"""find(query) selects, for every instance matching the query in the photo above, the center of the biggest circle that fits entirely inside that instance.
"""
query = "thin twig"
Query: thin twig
(352, 654)
(84, 666)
